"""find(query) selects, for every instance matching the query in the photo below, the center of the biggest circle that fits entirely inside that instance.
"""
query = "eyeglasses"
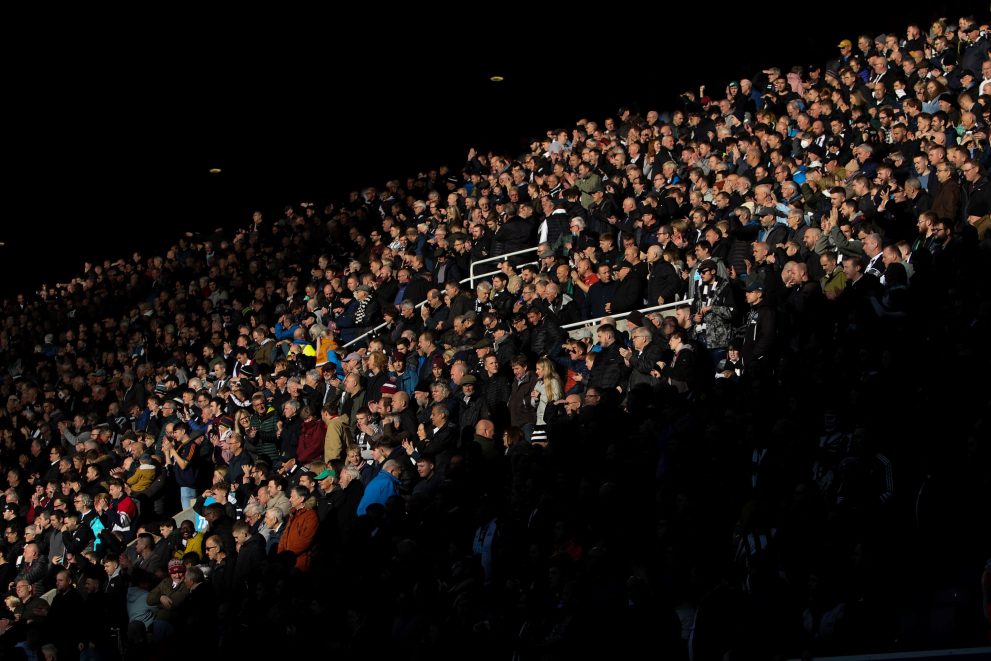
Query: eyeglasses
(211, 548)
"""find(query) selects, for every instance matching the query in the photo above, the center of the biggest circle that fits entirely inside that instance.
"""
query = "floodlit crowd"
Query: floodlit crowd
(719, 393)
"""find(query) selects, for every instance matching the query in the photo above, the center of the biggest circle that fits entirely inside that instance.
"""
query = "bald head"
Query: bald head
(485, 429)
(400, 401)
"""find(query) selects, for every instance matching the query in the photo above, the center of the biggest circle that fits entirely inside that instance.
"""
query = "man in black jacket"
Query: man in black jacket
(251, 557)
(629, 290)
(758, 340)
(642, 358)
(522, 414)
(600, 293)
(515, 233)
(607, 370)
(441, 437)
(427, 347)
(545, 335)
(663, 282)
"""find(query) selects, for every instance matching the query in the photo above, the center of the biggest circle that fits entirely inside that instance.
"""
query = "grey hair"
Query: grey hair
(276, 513)
(252, 509)
(195, 574)
(443, 387)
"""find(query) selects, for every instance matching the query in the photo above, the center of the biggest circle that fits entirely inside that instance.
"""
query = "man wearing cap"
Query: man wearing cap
(629, 290)
(602, 208)
(328, 492)
(352, 362)
(846, 51)
(759, 330)
(712, 311)
(974, 47)
(771, 231)
(168, 596)
(471, 404)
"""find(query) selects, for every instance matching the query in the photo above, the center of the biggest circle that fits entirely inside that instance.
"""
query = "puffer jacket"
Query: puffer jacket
(142, 478)
(718, 321)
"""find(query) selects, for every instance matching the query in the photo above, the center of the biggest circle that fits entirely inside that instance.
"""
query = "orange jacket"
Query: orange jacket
(299, 535)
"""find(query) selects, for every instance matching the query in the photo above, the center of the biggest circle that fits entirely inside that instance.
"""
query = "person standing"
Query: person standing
(547, 388)
(522, 412)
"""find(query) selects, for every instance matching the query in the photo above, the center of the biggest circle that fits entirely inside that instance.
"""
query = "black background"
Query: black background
(111, 133)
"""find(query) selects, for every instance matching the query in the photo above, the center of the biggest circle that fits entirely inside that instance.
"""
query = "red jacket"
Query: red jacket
(298, 537)
(128, 507)
(311, 437)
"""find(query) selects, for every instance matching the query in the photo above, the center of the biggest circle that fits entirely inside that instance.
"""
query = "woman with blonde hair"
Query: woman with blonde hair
(547, 391)
(242, 422)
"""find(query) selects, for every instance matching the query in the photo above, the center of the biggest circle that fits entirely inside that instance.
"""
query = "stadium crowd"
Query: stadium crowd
(791, 456)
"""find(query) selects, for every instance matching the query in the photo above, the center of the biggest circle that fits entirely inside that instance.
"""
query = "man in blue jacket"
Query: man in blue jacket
(382, 486)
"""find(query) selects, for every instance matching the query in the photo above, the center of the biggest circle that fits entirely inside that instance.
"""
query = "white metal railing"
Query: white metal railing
(470, 279)
(376, 329)
(568, 327)
(479, 276)
(471, 269)
(590, 323)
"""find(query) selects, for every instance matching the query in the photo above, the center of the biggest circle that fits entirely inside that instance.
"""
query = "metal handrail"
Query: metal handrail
(471, 268)
(567, 327)
(479, 276)
(419, 305)
(624, 315)
(376, 329)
